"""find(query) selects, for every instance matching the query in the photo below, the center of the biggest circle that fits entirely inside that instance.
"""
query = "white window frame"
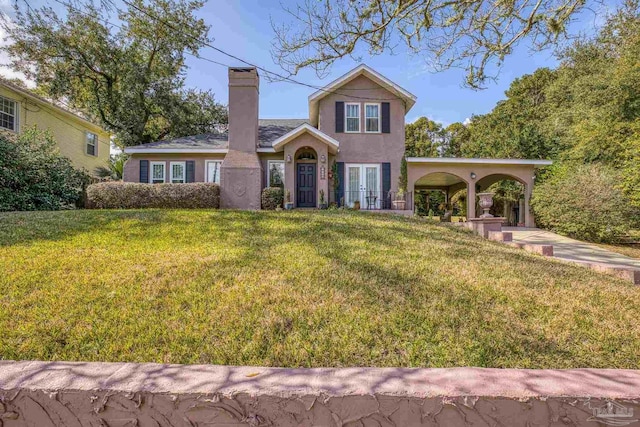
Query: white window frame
(377, 104)
(16, 114)
(95, 144)
(184, 172)
(164, 172)
(346, 118)
(206, 170)
(269, 162)
(362, 190)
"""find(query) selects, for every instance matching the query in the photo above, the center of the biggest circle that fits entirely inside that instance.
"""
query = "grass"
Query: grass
(298, 289)
(629, 249)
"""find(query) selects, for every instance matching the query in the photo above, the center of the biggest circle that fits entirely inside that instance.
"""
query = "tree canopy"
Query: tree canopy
(474, 35)
(127, 75)
(584, 112)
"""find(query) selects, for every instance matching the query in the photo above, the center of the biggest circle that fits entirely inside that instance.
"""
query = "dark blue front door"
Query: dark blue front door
(306, 185)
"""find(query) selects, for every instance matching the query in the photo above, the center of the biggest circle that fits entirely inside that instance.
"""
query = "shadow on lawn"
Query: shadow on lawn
(462, 314)
(29, 227)
(394, 291)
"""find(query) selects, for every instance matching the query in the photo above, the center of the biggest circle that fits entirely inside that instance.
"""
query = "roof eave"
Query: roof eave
(314, 98)
(466, 160)
(279, 143)
(40, 100)
(153, 150)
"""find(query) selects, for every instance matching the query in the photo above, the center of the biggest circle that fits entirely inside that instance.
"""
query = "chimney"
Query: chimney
(241, 172)
(243, 109)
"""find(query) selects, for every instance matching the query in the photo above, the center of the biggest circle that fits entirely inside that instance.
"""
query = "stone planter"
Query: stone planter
(399, 205)
(486, 201)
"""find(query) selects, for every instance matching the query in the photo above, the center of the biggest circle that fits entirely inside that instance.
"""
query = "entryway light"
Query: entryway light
(473, 175)
(288, 158)
(323, 159)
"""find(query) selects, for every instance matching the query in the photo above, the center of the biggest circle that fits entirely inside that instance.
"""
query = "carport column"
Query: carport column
(410, 187)
(529, 220)
(471, 199)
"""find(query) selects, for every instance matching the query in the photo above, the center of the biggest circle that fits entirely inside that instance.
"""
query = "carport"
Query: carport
(451, 175)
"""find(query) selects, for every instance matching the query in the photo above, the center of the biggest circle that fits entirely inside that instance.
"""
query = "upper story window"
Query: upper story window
(352, 115)
(372, 118)
(178, 172)
(157, 172)
(213, 171)
(8, 114)
(275, 175)
(92, 144)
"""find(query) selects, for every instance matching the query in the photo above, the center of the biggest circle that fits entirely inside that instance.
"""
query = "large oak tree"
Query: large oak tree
(126, 69)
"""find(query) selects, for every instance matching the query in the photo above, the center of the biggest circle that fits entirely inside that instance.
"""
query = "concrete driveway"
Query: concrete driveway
(570, 249)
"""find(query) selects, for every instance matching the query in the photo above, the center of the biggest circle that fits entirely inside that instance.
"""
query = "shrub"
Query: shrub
(272, 197)
(131, 195)
(584, 202)
(34, 176)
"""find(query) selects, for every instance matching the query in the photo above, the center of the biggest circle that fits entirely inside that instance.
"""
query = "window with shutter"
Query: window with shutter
(157, 172)
(372, 118)
(352, 117)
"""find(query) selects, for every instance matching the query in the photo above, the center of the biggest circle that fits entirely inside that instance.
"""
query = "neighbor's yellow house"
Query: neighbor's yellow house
(84, 143)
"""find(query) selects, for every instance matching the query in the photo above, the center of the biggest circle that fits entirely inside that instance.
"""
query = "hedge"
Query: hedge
(35, 176)
(584, 202)
(130, 195)
(272, 198)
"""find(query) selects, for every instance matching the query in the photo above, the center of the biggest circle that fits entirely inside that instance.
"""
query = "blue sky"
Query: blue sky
(243, 28)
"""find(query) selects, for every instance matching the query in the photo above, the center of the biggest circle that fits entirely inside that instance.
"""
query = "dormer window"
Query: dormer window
(372, 118)
(352, 115)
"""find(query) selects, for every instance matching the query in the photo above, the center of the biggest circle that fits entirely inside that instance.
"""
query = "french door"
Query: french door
(363, 183)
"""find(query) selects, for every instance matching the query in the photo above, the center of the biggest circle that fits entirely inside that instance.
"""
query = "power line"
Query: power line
(206, 43)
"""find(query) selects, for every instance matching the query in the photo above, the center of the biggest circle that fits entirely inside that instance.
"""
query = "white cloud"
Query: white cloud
(467, 121)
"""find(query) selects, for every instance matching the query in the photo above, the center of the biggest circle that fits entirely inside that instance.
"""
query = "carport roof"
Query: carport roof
(461, 160)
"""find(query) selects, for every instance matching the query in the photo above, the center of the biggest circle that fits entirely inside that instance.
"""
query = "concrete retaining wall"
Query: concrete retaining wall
(126, 394)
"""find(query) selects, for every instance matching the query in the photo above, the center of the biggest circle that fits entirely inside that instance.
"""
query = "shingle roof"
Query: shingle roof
(271, 129)
(205, 140)
(268, 131)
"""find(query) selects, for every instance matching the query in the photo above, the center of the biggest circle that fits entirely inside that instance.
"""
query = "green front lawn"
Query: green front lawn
(298, 289)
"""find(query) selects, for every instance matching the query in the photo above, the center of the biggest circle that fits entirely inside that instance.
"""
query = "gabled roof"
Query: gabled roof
(278, 145)
(361, 70)
(269, 130)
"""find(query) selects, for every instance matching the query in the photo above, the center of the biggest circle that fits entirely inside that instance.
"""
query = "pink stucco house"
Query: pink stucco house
(357, 122)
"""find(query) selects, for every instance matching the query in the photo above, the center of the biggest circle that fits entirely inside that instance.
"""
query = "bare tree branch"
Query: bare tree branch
(475, 35)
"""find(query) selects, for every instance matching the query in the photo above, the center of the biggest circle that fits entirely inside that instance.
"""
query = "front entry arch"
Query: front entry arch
(306, 177)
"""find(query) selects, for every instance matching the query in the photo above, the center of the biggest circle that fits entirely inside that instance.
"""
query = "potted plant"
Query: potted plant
(399, 203)
(288, 204)
(323, 202)
(356, 205)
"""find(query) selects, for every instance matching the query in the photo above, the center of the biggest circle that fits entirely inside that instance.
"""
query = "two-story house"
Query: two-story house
(83, 142)
(356, 122)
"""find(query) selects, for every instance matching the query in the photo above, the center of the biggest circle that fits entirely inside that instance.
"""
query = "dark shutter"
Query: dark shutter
(386, 117)
(339, 117)
(340, 194)
(386, 184)
(144, 171)
(191, 171)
